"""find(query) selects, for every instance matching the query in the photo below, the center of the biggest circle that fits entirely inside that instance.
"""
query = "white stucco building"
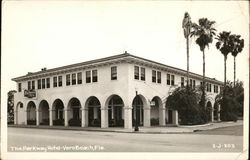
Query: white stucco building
(102, 93)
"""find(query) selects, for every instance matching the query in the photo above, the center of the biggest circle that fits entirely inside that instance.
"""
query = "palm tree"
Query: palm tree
(224, 44)
(204, 32)
(238, 45)
(186, 25)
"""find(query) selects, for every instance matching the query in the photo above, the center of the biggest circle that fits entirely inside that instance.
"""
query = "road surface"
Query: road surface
(228, 139)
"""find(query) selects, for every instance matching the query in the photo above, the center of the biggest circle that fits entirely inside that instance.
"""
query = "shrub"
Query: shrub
(187, 101)
(31, 122)
(96, 122)
(154, 121)
(58, 122)
(45, 122)
(75, 122)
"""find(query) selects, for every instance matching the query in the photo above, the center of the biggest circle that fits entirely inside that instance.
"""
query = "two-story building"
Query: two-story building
(102, 93)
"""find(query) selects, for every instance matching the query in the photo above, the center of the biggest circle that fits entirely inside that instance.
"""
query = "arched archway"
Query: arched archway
(19, 112)
(94, 111)
(44, 113)
(115, 111)
(74, 115)
(58, 112)
(31, 113)
(209, 110)
(137, 110)
(156, 104)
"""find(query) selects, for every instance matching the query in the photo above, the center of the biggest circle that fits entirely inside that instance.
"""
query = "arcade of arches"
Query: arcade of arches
(91, 114)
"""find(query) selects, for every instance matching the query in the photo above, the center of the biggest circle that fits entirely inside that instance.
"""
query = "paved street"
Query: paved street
(30, 139)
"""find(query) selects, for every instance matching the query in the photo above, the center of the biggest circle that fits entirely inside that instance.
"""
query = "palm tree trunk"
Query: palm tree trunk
(234, 70)
(225, 71)
(187, 61)
(204, 82)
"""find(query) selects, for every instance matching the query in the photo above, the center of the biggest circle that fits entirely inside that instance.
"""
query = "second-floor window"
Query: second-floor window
(215, 89)
(33, 85)
(209, 86)
(158, 77)
(19, 87)
(79, 78)
(39, 84)
(114, 73)
(54, 81)
(154, 76)
(29, 85)
(136, 72)
(143, 74)
(73, 79)
(168, 79)
(94, 76)
(67, 79)
(43, 83)
(88, 77)
(60, 81)
(182, 81)
(48, 82)
(193, 83)
(172, 80)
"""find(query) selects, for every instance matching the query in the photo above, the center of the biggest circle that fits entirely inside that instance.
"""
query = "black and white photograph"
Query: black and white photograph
(126, 79)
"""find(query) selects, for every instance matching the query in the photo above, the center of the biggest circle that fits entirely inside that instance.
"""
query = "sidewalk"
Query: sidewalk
(151, 130)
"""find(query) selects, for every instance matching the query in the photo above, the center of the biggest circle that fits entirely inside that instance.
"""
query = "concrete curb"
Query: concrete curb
(188, 129)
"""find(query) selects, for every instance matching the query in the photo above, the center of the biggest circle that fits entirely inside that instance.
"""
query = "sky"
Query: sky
(38, 34)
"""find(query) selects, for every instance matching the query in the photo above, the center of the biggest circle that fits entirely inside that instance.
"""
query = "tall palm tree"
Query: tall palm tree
(224, 44)
(204, 32)
(238, 45)
(186, 25)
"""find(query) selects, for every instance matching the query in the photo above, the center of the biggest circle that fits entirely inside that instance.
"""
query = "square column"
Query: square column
(175, 117)
(65, 117)
(218, 113)
(84, 117)
(25, 117)
(212, 114)
(104, 118)
(146, 117)
(51, 117)
(162, 116)
(15, 117)
(128, 117)
(37, 117)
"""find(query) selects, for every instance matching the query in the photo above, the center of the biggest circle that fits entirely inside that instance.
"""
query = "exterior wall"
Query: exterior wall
(125, 86)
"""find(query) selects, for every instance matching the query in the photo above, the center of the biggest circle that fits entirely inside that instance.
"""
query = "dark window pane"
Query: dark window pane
(79, 78)
(54, 81)
(154, 76)
(33, 85)
(73, 79)
(48, 82)
(94, 76)
(143, 74)
(39, 84)
(158, 77)
(67, 79)
(60, 81)
(43, 83)
(19, 87)
(114, 73)
(182, 81)
(88, 77)
(136, 72)
(168, 79)
(172, 80)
